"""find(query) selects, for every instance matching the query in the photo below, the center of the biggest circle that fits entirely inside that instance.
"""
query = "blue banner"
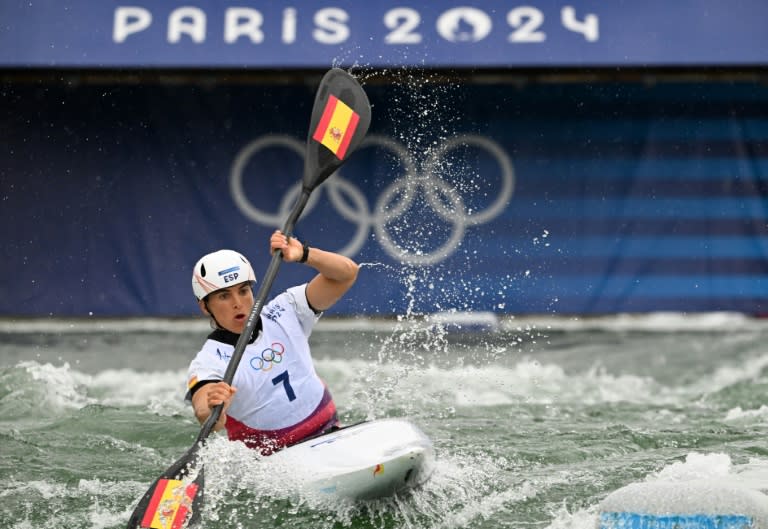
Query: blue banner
(567, 199)
(382, 33)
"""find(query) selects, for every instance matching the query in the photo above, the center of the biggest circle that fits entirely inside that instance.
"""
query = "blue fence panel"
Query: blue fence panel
(565, 199)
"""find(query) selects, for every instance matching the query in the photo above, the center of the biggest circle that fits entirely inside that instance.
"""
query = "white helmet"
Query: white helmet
(219, 270)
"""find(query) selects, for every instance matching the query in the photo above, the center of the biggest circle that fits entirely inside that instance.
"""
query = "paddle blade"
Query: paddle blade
(340, 119)
(174, 499)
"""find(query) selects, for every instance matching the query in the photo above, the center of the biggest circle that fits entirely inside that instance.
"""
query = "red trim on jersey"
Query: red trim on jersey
(269, 441)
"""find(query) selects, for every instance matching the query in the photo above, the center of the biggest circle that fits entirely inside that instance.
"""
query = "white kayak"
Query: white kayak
(369, 460)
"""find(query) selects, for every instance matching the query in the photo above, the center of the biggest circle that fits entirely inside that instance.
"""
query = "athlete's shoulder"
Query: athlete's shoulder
(291, 309)
(210, 363)
(284, 304)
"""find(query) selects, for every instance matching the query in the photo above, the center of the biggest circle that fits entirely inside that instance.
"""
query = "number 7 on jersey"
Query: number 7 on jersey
(283, 377)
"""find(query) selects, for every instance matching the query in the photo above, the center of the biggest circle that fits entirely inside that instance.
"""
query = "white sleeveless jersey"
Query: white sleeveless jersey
(276, 382)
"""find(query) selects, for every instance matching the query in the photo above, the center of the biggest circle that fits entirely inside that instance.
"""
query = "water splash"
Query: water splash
(252, 491)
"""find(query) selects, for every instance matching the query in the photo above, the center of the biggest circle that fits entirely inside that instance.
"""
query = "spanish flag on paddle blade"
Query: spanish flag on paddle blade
(337, 126)
(170, 505)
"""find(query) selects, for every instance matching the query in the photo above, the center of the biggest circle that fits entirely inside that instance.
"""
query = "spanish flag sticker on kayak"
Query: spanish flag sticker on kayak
(169, 505)
(336, 127)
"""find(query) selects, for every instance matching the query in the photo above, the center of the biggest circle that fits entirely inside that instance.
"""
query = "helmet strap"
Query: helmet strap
(214, 323)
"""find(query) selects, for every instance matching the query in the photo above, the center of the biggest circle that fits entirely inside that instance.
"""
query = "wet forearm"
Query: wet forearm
(333, 266)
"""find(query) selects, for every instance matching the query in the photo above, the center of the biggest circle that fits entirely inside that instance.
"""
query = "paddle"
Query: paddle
(340, 118)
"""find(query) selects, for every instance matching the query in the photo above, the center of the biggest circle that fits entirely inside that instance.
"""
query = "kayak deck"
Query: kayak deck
(369, 460)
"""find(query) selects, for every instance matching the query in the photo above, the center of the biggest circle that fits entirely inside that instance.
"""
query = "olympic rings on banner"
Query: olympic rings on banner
(268, 358)
(394, 201)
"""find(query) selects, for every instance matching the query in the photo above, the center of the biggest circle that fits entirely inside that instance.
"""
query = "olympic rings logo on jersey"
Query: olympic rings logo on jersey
(269, 357)
(416, 180)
